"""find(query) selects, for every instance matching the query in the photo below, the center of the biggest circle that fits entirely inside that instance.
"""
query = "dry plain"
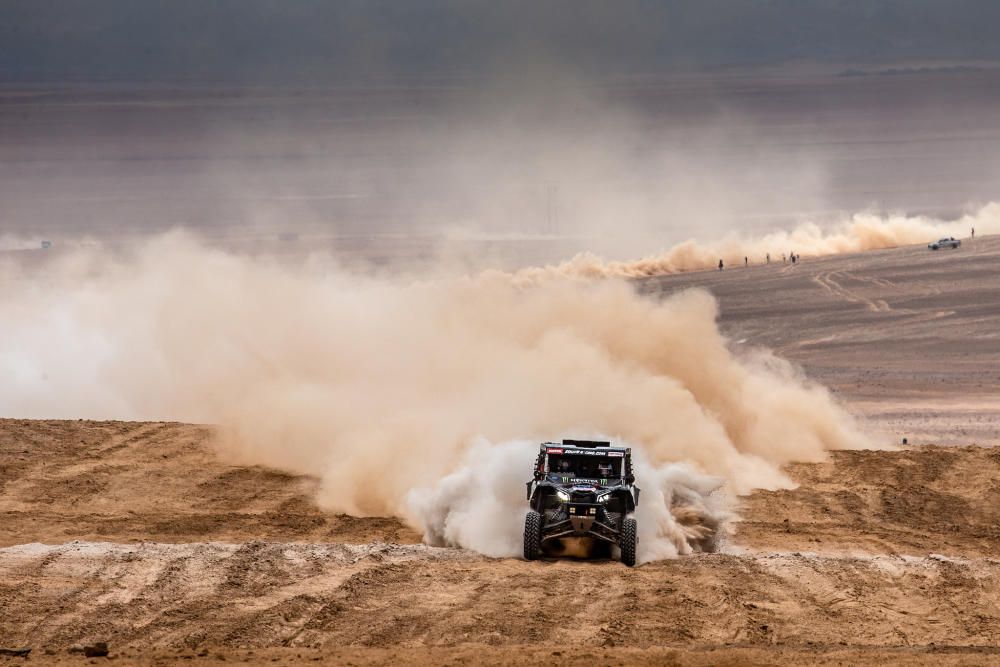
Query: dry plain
(136, 534)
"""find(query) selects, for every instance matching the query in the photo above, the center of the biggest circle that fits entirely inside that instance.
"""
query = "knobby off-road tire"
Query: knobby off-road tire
(532, 535)
(627, 540)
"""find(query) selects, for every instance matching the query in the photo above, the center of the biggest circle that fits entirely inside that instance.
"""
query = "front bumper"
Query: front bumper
(581, 520)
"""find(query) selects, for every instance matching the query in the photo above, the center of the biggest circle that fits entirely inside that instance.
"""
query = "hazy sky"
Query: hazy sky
(519, 143)
(303, 41)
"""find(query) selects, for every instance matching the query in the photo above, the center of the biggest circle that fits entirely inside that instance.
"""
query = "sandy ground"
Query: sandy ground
(135, 534)
(909, 338)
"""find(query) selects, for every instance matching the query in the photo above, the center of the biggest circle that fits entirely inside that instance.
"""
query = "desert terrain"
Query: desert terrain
(138, 535)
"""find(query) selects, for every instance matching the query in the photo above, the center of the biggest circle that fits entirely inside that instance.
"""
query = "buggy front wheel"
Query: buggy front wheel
(532, 535)
(628, 540)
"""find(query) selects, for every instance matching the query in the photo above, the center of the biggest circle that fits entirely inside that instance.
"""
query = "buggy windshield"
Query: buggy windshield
(582, 466)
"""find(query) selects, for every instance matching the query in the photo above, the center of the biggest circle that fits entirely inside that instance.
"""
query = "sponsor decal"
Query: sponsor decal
(587, 452)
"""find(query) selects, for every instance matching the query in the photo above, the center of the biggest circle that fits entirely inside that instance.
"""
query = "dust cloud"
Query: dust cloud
(861, 231)
(17, 242)
(479, 506)
(418, 399)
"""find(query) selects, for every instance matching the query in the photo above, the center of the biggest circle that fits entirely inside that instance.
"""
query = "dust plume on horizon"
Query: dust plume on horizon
(857, 233)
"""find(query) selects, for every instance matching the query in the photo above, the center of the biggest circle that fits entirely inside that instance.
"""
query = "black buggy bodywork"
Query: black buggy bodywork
(581, 489)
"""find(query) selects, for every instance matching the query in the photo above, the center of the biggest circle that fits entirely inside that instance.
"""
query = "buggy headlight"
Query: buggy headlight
(562, 495)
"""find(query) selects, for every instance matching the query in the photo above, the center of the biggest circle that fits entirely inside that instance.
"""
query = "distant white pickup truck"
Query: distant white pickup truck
(944, 243)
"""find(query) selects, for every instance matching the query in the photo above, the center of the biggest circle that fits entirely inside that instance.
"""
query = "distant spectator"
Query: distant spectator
(720, 265)
(768, 258)
(973, 232)
(746, 261)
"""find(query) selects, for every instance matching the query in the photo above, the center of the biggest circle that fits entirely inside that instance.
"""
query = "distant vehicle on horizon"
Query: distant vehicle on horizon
(949, 242)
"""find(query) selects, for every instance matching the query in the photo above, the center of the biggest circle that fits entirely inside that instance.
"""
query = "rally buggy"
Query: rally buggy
(582, 489)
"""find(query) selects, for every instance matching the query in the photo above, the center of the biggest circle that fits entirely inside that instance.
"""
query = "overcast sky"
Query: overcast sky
(326, 41)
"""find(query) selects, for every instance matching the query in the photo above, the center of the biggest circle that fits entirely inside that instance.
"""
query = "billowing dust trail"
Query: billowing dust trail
(419, 400)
